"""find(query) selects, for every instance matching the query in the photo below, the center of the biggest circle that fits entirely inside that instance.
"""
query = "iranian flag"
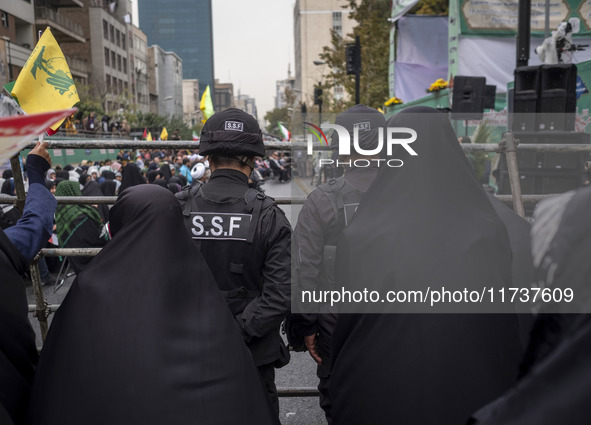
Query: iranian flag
(285, 132)
(195, 137)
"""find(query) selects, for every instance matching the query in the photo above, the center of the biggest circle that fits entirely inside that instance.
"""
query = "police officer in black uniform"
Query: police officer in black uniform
(245, 238)
(324, 215)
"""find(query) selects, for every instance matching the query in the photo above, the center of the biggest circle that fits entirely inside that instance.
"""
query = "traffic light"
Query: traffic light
(317, 96)
(353, 58)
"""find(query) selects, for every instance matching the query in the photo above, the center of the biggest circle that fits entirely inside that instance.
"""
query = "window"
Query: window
(119, 62)
(105, 30)
(5, 23)
(125, 65)
(337, 19)
(113, 63)
(112, 31)
(120, 86)
(108, 82)
(123, 41)
(118, 38)
(125, 87)
(107, 57)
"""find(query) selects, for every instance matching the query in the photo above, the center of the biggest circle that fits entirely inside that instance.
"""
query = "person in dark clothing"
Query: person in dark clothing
(18, 245)
(91, 188)
(278, 169)
(165, 172)
(9, 213)
(77, 226)
(427, 222)
(132, 344)
(108, 188)
(131, 176)
(244, 237)
(555, 381)
(325, 214)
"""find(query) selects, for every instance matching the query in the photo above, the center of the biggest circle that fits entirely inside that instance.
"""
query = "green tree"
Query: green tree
(430, 7)
(281, 115)
(373, 30)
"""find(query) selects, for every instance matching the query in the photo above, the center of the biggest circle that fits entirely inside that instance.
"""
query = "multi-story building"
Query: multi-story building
(106, 49)
(247, 104)
(280, 87)
(165, 82)
(191, 102)
(140, 69)
(313, 22)
(183, 27)
(223, 97)
(17, 37)
(19, 21)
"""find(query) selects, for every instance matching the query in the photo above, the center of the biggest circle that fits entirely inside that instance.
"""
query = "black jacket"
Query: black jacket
(255, 278)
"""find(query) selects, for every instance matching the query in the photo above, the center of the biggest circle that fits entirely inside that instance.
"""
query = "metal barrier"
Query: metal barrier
(508, 145)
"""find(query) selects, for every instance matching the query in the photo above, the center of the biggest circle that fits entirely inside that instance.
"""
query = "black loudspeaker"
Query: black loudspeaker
(525, 98)
(558, 97)
(490, 94)
(546, 172)
(468, 98)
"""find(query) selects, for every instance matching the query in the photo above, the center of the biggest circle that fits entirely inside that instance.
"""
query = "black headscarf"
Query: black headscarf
(165, 168)
(160, 182)
(108, 175)
(139, 344)
(152, 174)
(130, 176)
(108, 188)
(8, 187)
(426, 223)
(18, 353)
(92, 188)
(556, 386)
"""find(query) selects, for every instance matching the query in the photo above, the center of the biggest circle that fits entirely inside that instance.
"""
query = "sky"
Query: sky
(253, 46)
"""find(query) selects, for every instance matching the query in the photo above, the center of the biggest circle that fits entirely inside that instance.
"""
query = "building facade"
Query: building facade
(185, 28)
(106, 51)
(191, 102)
(140, 69)
(223, 96)
(165, 82)
(280, 87)
(247, 104)
(313, 22)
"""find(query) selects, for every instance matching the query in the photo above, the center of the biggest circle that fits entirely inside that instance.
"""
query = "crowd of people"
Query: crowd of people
(179, 316)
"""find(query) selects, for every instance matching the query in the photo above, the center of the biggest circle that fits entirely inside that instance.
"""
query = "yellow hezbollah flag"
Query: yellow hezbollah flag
(149, 138)
(206, 105)
(45, 83)
(164, 134)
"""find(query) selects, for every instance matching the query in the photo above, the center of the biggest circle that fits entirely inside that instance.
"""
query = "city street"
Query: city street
(300, 372)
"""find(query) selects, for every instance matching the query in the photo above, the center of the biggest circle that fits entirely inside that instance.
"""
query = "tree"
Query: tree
(430, 7)
(281, 115)
(373, 30)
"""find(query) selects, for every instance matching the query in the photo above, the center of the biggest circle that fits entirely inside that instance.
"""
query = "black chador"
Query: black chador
(136, 341)
(426, 223)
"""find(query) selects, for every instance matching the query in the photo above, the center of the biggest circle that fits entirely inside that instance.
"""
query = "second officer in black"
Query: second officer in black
(245, 238)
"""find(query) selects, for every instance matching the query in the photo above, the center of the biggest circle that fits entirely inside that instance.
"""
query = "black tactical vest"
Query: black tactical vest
(344, 199)
(229, 236)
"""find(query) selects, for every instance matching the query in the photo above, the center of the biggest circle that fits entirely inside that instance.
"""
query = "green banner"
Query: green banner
(499, 17)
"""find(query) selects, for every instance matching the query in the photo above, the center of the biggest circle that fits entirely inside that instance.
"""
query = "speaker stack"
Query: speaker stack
(542, 110)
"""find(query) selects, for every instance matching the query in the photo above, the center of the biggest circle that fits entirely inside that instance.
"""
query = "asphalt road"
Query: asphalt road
(300, 372)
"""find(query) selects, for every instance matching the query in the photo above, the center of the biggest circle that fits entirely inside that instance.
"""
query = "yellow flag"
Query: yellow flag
(164, 134)
(45, 82)
(149, 138)
(206, 105)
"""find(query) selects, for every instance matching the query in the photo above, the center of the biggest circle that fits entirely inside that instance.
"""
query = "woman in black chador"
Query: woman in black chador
(143, 336)
(427, 223)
